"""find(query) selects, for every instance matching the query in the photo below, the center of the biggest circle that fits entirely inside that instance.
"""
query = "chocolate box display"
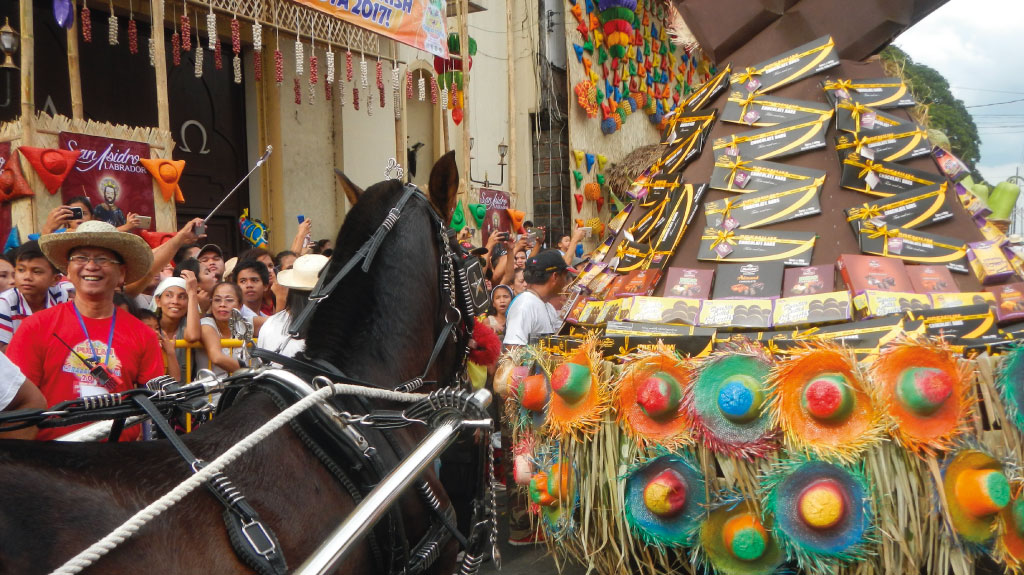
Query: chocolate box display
(589, 314)
(708, 91)
(791, 248)
(857, 118)
(683, 126)
(744, 175)
(749, 280)
(988, 262)
(678, 152)
(1009, 301)
(808, 280)
(893, 145)
(861, 273)
(811, 309)
(611, 310)
(874, 92)
(622, 338)
(947, 300)
(796, 64)
(931, 279)
(883, 179)
(862, 337)
(873, 303)
(763, 208)
(914, 246)
(662, 310)
(911, 209)
(636, 282)
(736, 313)
(688, 283)
(971, 321)
(763, 110)
(779, 141)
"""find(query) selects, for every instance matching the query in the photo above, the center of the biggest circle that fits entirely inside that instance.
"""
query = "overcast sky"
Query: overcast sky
(978, 45)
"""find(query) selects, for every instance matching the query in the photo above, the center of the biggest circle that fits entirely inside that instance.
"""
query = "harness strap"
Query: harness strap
(253, 542)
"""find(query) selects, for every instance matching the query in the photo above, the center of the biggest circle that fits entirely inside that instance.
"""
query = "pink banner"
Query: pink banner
(497, 219)
(108, 172)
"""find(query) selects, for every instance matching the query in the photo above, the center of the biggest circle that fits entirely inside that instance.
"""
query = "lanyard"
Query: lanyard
(110, 337)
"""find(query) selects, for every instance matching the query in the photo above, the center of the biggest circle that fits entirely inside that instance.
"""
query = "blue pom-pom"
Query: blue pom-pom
(656, 118)
(608, 126)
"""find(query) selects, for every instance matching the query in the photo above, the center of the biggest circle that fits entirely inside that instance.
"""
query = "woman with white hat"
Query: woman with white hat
(176, 303)
(299, 280)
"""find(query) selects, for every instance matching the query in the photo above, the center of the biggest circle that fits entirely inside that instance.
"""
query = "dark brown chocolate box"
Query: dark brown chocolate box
(931, 279)
(764, 208)
(688, 283)
(1009, 301)
(762, 110)
(791, 248)
(738, 174)
(971, 322)
(788, 67)
(894, 145)
(808, 280)
(911, 209)
(750, 280)
(736, 313)
(914, 246)
(861, 273)
(875, 92)
(779, 141)
(883, 179)
(814, 309)
(857, 118)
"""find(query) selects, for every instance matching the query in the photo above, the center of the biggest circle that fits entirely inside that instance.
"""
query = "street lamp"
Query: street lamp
(502, 152)
(9, 42)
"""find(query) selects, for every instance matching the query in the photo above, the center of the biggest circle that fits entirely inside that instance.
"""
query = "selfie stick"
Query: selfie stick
(259, 163)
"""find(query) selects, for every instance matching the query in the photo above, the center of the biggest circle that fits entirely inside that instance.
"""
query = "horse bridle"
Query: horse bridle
(459, 308)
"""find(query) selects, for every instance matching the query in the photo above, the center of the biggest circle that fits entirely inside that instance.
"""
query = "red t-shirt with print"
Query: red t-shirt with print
(135, 358)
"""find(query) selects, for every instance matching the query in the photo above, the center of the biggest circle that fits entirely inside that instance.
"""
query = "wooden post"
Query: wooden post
(74, 72)
(163, 113)
(28, 102)
(511, 63)
(463, 18)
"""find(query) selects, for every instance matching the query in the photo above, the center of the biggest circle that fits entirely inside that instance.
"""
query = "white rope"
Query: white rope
(97, 550)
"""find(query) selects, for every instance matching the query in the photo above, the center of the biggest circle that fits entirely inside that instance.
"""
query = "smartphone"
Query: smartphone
(306, 240)
(76, 213)
(200, 229)
(144, 222)
(587, 231)
(503, 236)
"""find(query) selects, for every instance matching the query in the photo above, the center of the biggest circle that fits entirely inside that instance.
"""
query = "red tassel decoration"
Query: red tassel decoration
(218, 63)
(433, 90)
(186, 33)
(408, 85)
(313, 75)
(236, 37)
(328, 89)
(355, 98)
(298, 91)
(278, 67)
(133, 37)
(258, 66)
(348, 65)
(176, 48)
(86, 24)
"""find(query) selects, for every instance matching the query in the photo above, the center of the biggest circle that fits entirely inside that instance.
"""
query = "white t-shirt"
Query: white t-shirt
(11, 380)
(527, 315)
(274, 335)
(202, 361)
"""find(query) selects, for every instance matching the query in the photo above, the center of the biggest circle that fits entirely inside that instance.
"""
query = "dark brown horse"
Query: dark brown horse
(378, 326)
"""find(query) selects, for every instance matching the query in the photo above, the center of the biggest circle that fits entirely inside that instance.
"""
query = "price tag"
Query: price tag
(867, 153)
(867, 120)
(742, 179)
(751, 117)
(842, 94)
(753, 84)
(895, 245)
(729, 224)
(732, 151)
(723, 249)
(872, 180)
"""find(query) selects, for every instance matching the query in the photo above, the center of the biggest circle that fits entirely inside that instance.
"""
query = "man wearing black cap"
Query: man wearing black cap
(211, 258)
(546, 277)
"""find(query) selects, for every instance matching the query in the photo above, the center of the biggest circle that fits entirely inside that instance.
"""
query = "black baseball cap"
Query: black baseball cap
(548, 261)
(211, 248)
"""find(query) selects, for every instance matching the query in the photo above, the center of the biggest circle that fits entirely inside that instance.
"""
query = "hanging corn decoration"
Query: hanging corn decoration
(348, 65)
(362, 72)
(199, 57)
(257, 48)
(236, 49)
(313, 66)
(152, 51)
(341, 92)
(444, 98)
(369, 102)
(211, 29)
(86, 24)
(176, 48)
(186, 32)
(330, 66)
(278, 67)
(112, 27)
(133, 36)
(380, 81)
(328, 90)
(408, 85)
(396, 87)
(423, 91)
(299, 57)
(298, 90)
(355, 98)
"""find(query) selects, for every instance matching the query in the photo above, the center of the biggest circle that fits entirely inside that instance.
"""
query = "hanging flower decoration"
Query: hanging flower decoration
(298, 90)
(152, 51)
(112, 27)
(199, 57)
(133, 36)
(380, 81)
(211, 29)
(330, 66)
(299, 58)
(408, 85)
(257, 48)
(348, 65)
(355, 98)
(313, 67)
(186, 32)
(278, 67)
(396, 86)
(176, 48)
(434, 91)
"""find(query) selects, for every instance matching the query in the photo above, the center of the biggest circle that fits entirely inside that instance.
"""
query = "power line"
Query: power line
(996, 103)
(985, 90)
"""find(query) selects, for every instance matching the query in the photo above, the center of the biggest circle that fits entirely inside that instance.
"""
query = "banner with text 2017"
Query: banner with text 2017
(418, 23)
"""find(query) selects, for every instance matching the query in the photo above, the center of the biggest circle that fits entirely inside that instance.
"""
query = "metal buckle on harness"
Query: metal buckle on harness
(258, 538)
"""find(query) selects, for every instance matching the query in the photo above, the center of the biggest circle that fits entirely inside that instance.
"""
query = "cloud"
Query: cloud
(976, 46)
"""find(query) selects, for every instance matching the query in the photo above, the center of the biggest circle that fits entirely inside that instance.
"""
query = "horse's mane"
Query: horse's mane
(396, 300)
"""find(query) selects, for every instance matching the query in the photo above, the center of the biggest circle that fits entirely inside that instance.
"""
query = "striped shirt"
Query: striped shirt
(14, 309)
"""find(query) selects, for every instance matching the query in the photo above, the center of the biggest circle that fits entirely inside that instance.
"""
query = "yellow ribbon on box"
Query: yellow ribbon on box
(734, 166)
(812, 126)
(868, 166)
(737, 98)
(699, 97)
(874, 232)
(850, 86)
(873, 211)
(730, 203)
(731, 238)
(748, 73)
(726, 161)
(859, 143)
(856, 110)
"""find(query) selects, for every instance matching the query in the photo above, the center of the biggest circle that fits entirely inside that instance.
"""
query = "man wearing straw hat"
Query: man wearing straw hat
(57, 347)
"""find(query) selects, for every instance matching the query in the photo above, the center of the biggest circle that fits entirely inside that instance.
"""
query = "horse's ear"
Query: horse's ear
(352, 191)
(444, 185)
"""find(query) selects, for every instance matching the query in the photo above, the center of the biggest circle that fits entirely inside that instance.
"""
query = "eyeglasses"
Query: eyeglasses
(102, 261)
(227, 300)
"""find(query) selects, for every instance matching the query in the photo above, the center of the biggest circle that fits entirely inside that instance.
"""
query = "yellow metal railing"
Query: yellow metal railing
(190, 347)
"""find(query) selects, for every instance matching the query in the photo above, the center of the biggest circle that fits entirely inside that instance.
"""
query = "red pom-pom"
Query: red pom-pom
(485, 347)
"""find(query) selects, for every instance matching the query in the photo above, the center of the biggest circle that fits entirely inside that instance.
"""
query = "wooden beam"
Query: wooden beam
(75, 72)
(163, 113)
(28, 102)
(463, 19)
(511, 64)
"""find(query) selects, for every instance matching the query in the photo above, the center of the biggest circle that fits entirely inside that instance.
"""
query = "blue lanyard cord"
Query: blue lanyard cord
(110, 338)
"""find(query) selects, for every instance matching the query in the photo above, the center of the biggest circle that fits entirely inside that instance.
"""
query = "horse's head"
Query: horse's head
(382, 320)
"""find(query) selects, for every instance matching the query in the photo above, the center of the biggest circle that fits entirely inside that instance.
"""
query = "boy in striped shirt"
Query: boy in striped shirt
(37, 286)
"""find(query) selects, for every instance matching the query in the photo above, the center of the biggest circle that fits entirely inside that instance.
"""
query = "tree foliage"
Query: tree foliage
(945, 112)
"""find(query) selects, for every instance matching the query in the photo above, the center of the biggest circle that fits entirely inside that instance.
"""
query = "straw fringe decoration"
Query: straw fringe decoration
(638, 424)
(581, 418)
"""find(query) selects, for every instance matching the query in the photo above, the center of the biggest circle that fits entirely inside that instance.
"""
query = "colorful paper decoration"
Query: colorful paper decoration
(479, 212)
(592, 191)
(516, 217)
(601, 161)
(13, 240)
(578, 156)
(578, 177)
(600, 202)
(156, 239)
(167, 174)
(590, 162)
(253, 230)
(13, 184)
(458, 220)
(617, 17)
(52, 165)
(579, 202)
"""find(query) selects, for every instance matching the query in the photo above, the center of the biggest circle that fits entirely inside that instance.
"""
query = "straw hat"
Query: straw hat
(303, 273)
(648, 400)
(1009, 548)
(578, 396)
(924, 390)
(1010, 382)
(822, 512)
(735, 540)
(553, 489)
(976, 490)
(664, 500)
(818, 398)
(724, 402)
(132, 249)
(229, 266)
